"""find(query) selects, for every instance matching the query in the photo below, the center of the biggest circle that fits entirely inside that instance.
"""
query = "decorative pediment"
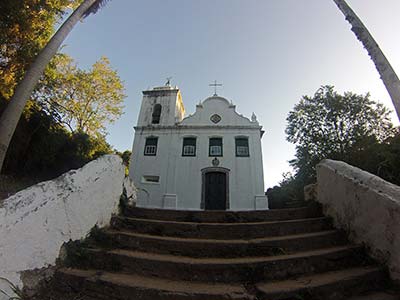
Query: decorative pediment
(217, 111)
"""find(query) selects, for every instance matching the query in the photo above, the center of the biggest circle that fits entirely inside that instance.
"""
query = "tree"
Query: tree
(126, 157)
(379, 158)
(330, 125)
(42, 149)
(290, 189)
(25, 28)
(388, 75)
(82, 100)
(9, 118)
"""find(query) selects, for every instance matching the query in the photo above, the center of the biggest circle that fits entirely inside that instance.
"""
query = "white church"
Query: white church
(210, 160)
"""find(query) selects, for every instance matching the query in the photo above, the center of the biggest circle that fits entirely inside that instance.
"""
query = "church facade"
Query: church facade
(210, 160)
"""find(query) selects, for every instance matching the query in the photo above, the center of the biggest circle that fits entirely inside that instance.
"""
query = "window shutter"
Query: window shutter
(215, 147)
(150, 148)
(189, 147)
(242, 147)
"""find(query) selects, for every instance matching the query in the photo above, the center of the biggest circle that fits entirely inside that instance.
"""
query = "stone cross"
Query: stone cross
(215, 85)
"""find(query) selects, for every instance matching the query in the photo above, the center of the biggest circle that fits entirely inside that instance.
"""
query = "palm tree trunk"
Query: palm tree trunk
(10, 117)
(383, 66)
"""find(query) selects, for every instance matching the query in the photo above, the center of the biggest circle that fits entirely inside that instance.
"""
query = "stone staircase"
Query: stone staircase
(213, 255)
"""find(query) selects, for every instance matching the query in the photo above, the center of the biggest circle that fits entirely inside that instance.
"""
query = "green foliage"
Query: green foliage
(25, 27)
(41, 147)
(18, 293)
(350, 127)
(78, 253)
(289, 189)
(381, 159)
(330, 125)
(98, 237)
(66, 97)
(82, 100)
(44, 149)
(126, 156)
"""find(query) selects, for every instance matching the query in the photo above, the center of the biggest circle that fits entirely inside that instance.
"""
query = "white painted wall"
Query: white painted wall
(35, 222)
(180, 185)
(364, 205)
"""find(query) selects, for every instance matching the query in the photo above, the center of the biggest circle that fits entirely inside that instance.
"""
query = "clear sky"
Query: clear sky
(267, 54)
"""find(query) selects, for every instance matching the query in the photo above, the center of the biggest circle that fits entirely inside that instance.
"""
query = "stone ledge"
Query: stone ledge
(364, 205)
(37, 221)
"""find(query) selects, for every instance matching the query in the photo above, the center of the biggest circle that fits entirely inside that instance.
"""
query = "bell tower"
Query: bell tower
(161, 106)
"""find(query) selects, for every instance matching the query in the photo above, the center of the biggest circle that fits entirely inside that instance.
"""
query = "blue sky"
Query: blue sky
(267, 54)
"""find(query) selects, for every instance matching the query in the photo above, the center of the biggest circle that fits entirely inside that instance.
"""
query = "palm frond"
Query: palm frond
(96, 6)
(19, 295)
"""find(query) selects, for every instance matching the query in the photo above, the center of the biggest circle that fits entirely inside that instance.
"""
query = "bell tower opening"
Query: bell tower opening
(156, 114)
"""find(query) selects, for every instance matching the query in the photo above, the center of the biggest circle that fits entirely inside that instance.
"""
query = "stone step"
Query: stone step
(312, 211)
(335, 285)
(243, 269)
(226, 231)
(386, 295)
(293, 204)
(226, 248)
(113, 286)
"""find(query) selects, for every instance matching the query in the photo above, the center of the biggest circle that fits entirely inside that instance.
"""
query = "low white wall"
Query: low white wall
(35, 222)
(364, 205)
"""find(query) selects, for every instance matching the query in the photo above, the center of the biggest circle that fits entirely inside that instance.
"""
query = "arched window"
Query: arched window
(156, 114)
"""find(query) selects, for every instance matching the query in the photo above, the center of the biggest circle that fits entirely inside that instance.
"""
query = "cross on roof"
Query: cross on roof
(168, 83)
(215, 85)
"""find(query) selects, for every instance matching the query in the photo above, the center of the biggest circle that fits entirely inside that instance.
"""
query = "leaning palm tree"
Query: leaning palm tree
(9, 118)
(383, 66)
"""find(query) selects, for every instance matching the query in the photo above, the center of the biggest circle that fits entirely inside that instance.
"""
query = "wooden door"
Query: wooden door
(215, 191)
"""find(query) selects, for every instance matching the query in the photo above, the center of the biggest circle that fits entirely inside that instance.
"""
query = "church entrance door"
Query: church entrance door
(215, 191)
